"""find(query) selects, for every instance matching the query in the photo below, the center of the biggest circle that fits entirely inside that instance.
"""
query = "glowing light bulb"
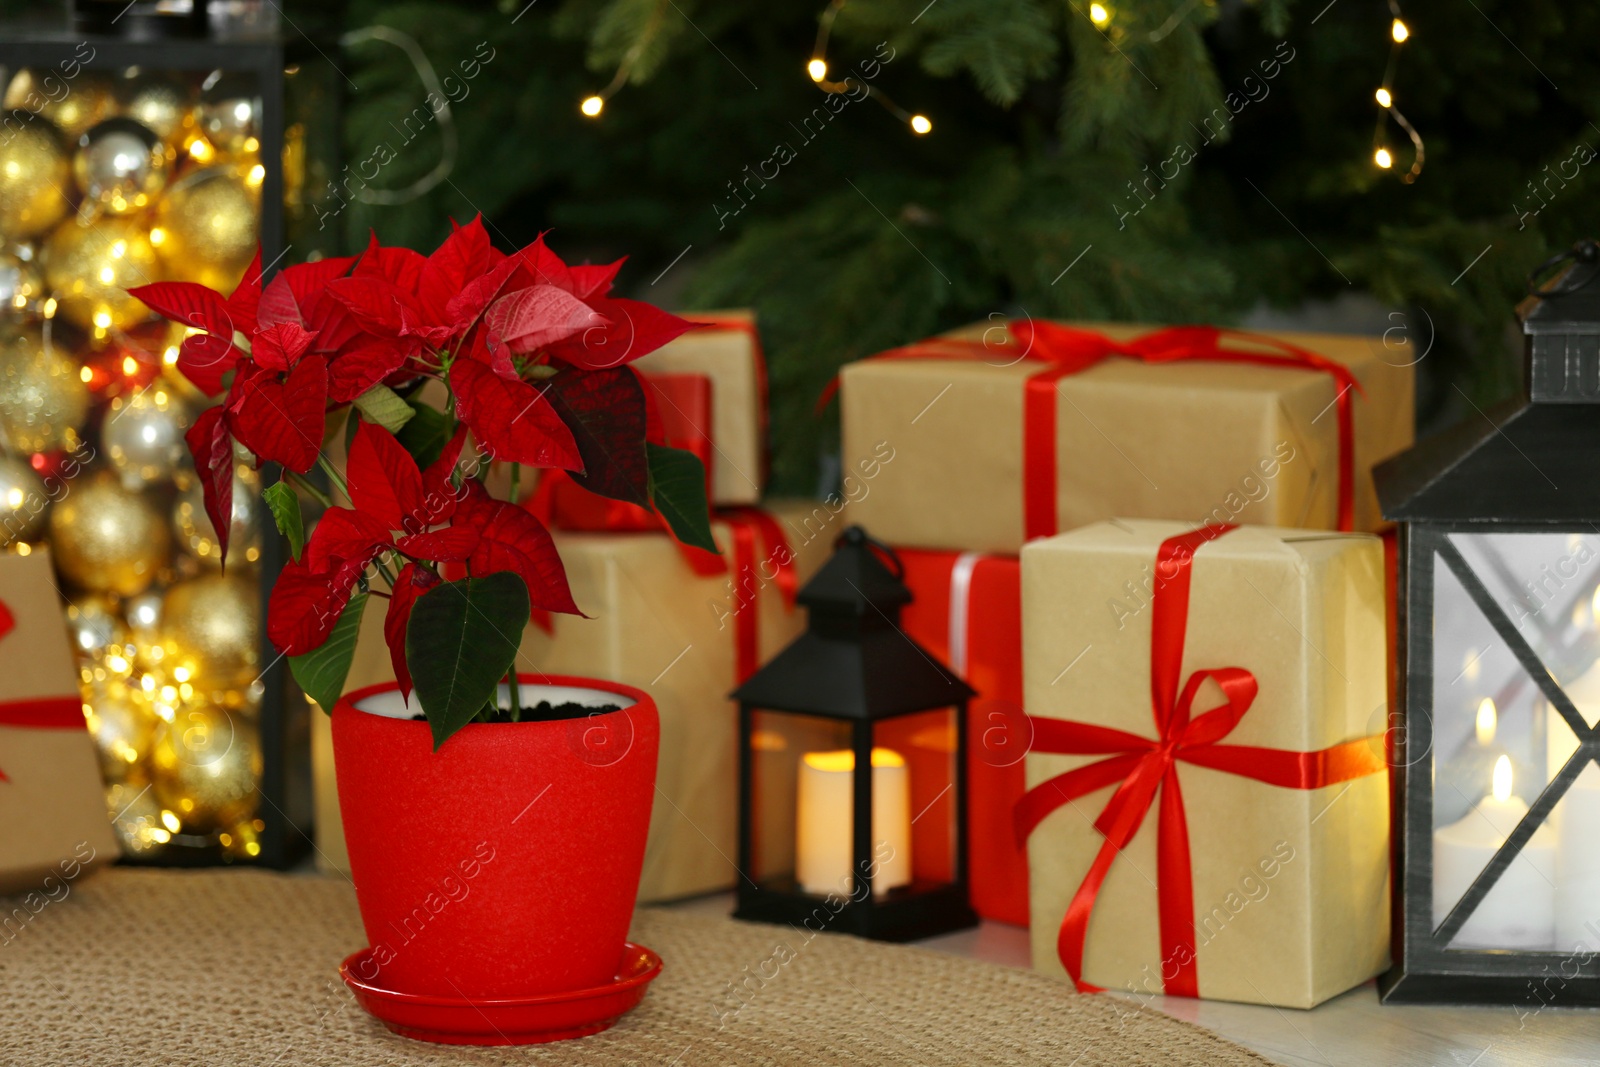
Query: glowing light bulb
(102, 319)
(1502, 779)
(818, 69)
(1399, 31)
(130, 366)
(170, 356)
(920, 124)
(85, 375)
(257, 173)
(1098, 14)
(1487, 721)
(50, 308)
(1383, 159)
(592, 106)
(1383, 97)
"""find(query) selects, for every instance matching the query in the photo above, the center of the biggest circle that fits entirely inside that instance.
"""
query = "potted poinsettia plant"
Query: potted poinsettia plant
(495, 817)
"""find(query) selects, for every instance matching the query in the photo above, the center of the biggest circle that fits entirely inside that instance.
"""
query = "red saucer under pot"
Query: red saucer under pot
(503, 867)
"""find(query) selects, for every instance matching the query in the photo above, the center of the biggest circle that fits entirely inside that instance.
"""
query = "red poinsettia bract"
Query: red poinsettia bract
(532, 353)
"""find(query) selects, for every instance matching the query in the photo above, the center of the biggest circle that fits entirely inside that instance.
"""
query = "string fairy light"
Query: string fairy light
(592, 105)
(817, 70)
(1382, 157)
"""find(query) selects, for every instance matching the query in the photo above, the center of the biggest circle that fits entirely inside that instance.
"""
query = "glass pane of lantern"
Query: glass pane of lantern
(1497, 741)
(779, 743)
(135, 176)
(921, 850)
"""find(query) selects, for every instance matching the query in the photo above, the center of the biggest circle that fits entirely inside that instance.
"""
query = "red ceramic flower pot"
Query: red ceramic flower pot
(505, 864)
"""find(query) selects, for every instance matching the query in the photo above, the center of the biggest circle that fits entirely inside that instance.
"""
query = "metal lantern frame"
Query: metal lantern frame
(855, 665)
(284, 728)
(1525, 467)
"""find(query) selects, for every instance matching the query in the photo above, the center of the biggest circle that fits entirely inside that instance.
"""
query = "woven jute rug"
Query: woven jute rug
(239, 968)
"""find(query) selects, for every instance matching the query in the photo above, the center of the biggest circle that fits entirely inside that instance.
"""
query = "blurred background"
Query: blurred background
(1155, 160)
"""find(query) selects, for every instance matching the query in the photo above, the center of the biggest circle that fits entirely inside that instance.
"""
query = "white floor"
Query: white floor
(1353, 1030)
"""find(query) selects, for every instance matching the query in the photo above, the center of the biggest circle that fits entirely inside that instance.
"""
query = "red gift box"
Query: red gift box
(967, 609)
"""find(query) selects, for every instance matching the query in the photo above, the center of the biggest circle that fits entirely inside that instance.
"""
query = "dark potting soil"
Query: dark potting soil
(544, 711)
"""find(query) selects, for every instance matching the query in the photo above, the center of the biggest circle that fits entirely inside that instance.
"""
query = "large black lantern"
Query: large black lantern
(1499, 811)
(131, 160)
(852, 767)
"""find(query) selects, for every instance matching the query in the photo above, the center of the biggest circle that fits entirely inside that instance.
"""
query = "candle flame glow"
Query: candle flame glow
(845, 760)
(1487, 720)
(1502, 779)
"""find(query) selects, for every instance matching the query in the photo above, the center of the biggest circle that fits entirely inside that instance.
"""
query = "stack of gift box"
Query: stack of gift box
(1152, 552)
(683, 624)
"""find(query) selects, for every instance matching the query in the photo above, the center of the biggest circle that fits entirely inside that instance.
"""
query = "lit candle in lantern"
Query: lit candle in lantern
(1576, 820)
(823, 839)
(1519, 909)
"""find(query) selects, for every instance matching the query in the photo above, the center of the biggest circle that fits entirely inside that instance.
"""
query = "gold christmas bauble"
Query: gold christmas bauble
(206, 767)
(162, 104)
(196, 533)
(123, 727)
(143, 435)
(21, 283)
(121, 165)
(230, 117)
(35, 177)
(108, 538)
(43, 399)
(143, 613)
(88, 98)
(93, 627)
(211, 631)
(89, 268)
(24, 504)
(206, 227)
(136, 818)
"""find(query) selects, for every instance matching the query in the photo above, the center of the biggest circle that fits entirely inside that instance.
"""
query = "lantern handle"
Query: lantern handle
(857, 535)
(1584, 251)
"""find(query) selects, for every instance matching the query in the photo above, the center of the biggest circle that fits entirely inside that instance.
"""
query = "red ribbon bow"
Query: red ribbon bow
(1069, 350)
(1145, 766)
(47, 713)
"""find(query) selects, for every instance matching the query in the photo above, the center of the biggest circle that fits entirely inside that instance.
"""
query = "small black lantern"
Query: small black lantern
(1498, 791)
(852, 766)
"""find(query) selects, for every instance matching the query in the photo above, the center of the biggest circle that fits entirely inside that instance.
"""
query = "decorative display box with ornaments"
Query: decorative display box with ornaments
(1040, 427)
(1208, 810)
(537, 788)
(125, 163)
(1500, 622)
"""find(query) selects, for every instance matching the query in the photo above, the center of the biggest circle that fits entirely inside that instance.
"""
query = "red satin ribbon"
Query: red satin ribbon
(1068, 350)
(1141, 767)
(45, 713)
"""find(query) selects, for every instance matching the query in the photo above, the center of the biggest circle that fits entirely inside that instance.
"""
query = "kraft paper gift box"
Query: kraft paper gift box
(1277, 890)
(727, 351)
(656, 624)
(53, 818)
(1190, 440)
(966, 609)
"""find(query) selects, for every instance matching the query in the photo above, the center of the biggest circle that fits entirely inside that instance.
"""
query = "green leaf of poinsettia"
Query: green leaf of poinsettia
(384, 407)
(322, 671)
(285, 507)
(678, 489)
(424, 435)
(461, 640)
